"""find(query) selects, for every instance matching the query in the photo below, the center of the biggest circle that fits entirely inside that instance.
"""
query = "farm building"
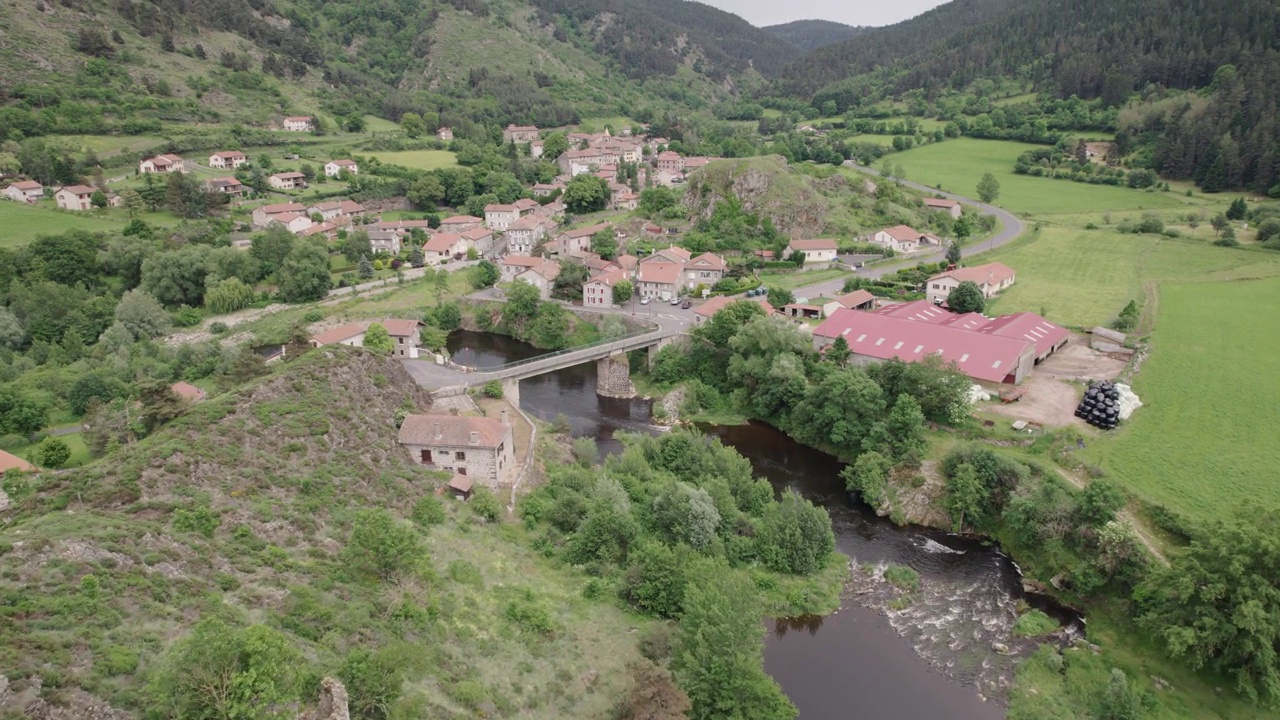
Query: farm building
(482, 449)
(990, 278)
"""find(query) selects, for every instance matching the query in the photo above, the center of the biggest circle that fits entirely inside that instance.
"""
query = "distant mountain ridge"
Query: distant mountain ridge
(809, 35)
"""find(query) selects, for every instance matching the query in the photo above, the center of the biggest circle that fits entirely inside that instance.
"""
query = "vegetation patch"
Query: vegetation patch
(1034, 624)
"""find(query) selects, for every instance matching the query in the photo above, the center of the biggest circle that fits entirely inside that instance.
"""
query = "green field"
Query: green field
(1082, 278)
(373, 123)
(957, 165)
(885, 140)
(74, 441)
(418, 159)
(791, 281)
(20, 224)
(1205, 444)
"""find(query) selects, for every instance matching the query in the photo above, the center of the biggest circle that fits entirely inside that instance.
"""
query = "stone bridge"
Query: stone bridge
(613, 369)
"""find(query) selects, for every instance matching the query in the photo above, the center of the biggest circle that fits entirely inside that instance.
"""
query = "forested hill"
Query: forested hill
(489, 62)
(813, 34)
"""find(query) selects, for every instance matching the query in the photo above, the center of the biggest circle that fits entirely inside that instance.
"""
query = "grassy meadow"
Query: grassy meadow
(20, 223)
(1205, 443)
(418, 159)
(957, 165)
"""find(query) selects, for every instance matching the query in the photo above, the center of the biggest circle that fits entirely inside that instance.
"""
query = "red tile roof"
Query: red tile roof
(283, 208)
(80, 189)
(903, 232)
(339, 334)
(1027, 326)
(187, 391)
(27, 185)
(399, 327)
(442, 242)
(289, 175)
(524, 261)
(855, 298)
(661, 273)
(991, 273)
(13, 462)
(817, 244)
(882, 336)
(451, 431)
(608, 279)
(708, 261)
(460, 220)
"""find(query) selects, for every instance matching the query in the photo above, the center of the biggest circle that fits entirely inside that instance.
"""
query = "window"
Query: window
(460, 455)
(400, 340)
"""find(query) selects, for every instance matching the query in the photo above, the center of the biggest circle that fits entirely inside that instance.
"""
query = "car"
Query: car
(675, 301)
(751, 293)
(686, 304)
(644, 301)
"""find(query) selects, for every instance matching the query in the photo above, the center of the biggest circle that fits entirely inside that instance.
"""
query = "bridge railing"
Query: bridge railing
(620, 341)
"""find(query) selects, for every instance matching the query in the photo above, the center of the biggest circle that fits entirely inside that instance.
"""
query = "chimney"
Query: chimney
(475, 437)
(435, 431)
(504, 417)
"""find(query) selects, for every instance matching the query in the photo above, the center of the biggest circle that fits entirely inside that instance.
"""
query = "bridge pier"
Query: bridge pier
(613, 376)
(511, 392)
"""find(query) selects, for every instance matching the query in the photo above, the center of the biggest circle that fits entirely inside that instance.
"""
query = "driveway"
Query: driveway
(1011, 227)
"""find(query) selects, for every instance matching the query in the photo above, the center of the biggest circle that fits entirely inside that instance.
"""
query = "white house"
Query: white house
(903, 239)
(264, 215)
(444, 246)
(294, 222)
(445, 134)
(75, 197)
(706, 269)
(499, 217)
(162, 164)
(25, 191)
(335, 167)
(287, 181)
(301, 123)
(231, 159)
(990, 278)
(352, 335)
(820, 250)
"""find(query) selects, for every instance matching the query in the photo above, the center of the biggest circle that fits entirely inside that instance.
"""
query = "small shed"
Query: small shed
(460, 487)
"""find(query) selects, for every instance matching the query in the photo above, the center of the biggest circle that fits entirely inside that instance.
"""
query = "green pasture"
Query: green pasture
(20, 224)
(958, 165)
(373, 123)
(792, 281)
(1205, 442)
(418, 159)
(1082, 278)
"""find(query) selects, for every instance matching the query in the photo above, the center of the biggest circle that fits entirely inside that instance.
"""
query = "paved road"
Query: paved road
(1012, 227)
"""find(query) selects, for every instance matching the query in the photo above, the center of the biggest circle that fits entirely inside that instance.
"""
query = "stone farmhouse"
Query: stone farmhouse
(950, 207)
(443, 247)
(24, 191)
(161, 164)
(266, 214)
(519, 134)
(459, 223)
(335, 209)
(445, 134)
(499, 217)
(292, 180)
(512, 265)
(990, 278)
(479, 449)
(229, 160)
(334, 168)
(300, 123)
(542, 276)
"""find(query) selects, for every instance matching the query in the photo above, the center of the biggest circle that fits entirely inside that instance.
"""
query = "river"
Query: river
(933, 659)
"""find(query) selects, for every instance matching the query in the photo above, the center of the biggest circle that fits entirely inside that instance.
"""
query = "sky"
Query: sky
(849, 12)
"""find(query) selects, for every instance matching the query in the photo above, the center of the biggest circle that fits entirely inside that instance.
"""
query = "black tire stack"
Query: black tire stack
(1100, 406)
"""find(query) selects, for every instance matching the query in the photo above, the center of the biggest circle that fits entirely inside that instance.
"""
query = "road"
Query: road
(1011, 227)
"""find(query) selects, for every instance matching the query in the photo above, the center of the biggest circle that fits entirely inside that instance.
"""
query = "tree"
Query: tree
(448, 316)
(152, 192)
(52, 453)
(721, 645)
(780, 297)
(12, 335)
(569, 281)
(305, 274)
(356, 245)
(953, 252)
(585, 193)
(224, 672)
(271, 247)
(1219, 223)
(1238, 210)
(654, 201)
(228, 296)
(187, 196)
(795, 536)
(554, 145)
(605, 244)
(88, 389)
(98, 199)
(687, 515)
(487, 274)
(377, 340)
(1269, 232)
(522, 303)
(160, 404)
(728, 321)
(867, 476)
(364, 268)
(1121, 701)
(966, 495)
(988, 188)
(380, 545)
(142, 316)
(1228, 238)
(1217, 605)
(417, 258)
(413, 125)
(68, 258)
(653, 695)
(655, 579)
(966, 298)
(840, 409)
(838, 352)
(177, 277)
(19, 414)
(373, 680)
(622, 291)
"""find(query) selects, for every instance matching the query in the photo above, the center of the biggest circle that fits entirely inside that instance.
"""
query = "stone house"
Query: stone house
(229, 160)
(990, 278)
(406, 336)
(333, 168)
(499, 217)
(383, 240)
(659, 280)
(459, 223)
(481, 239)
(950, 207)
(443, 247)
(445, 134)
(75, 197)
(542, 276)
(480, 449)
(287, 181)
(512, 265)
(519, 134)
(670, 161)
(336, 209)
(527, 206)
(576, 242)
(524, 234)
(293, 222)
(598, 291)
(820, 250)
(300, 123)
(262, 216)
(706, 269)
(25, 191)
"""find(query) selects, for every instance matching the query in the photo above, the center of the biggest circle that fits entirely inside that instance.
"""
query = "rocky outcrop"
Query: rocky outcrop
(765, 186)
(332, 704)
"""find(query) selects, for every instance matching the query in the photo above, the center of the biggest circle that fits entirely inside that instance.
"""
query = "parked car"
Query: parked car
(644, 300)
(751, 293)
(686, 304)
(675, 300)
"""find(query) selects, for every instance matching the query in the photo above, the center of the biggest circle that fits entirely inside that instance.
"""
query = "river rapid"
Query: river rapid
(948, 653)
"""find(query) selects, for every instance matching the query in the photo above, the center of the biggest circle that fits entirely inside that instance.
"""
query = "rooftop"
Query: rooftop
(662, 273)
(339, 334)
(400, 327)
(452, 431)
(816, 244)
(992, 273)
(13, 462)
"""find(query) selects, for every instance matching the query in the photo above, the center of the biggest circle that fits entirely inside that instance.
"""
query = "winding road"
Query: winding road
(1011, 227)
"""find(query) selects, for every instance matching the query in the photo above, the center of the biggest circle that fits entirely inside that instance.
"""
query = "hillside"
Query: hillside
(241, 512)
(812, 34)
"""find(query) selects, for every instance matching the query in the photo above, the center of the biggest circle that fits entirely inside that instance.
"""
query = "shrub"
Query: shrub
(529, 615)
(187, 317)
(428, 511)
(493, 389)
(485, 504)
(218, 328)
(312, 315)
(585, 452)
(380, 545)
(201, 520)
(1034, 624)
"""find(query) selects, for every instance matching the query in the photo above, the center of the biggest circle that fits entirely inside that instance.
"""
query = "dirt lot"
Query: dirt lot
(1050, 397)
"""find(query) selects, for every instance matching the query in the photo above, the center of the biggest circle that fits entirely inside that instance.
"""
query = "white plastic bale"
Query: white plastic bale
(977, 394)
(1128, 401)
